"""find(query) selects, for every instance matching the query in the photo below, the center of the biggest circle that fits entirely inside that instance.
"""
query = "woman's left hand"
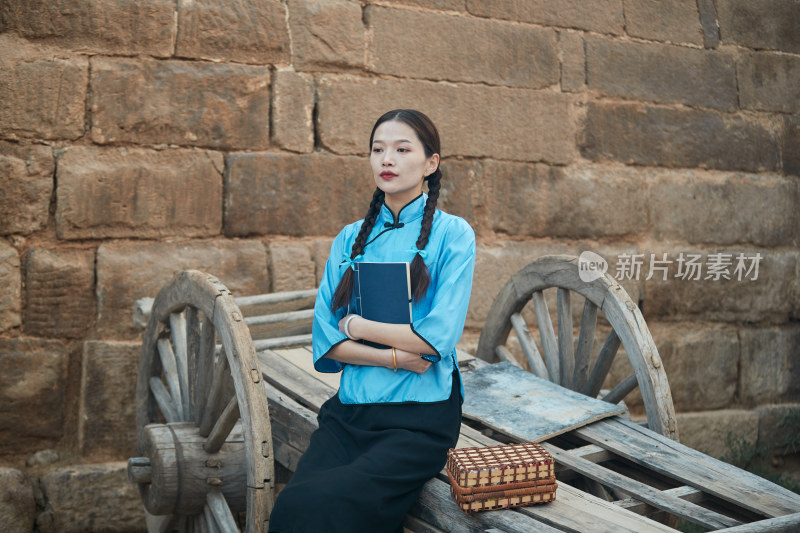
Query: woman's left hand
(352, 317)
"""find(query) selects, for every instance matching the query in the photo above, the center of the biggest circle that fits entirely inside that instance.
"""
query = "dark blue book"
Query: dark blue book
(383, 293)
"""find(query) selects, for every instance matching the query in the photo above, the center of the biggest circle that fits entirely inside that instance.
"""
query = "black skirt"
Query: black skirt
(366, 465)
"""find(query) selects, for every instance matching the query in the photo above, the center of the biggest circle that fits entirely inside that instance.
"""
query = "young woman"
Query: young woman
(398, 410)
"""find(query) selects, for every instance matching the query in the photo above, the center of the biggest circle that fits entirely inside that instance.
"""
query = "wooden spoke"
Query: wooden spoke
(603, 364)
(218, 507)
(216, 400)
(585, 345)
(164, 400)
(505, 355)
(208, 517)
(170, 367)
(528, 345)
(177, 324)
(192, 350)
(566, 350)
(205, 366)
(547, 336)
(222, 428)
(622, 389)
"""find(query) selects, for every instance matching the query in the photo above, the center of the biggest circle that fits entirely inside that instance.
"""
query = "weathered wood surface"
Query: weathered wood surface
(617, 307)
(289, 386)
(510, 400)
(693, 468)
(166, 348)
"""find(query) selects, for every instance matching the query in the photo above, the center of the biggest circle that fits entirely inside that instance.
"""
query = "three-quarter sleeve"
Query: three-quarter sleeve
(325, 332)
(443, 325)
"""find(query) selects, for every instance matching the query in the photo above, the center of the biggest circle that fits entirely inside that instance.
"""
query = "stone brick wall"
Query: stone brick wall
(141, 138)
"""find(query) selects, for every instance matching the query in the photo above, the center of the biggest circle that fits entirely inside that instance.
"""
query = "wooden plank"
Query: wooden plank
(672, 459)
(517, 403)
(643, 492)
(293, 381)
(579, 512)
(436, 507)
(304, 358)
(782, 524)
(281, 342)
(684, 492)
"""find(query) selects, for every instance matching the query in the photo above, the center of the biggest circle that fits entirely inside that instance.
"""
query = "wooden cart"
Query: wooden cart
(207, 447)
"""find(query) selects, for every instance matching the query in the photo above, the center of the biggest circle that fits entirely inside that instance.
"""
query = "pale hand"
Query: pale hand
(411, 361)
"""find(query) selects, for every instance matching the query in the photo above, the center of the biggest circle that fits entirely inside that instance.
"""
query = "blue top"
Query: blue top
(438, 318)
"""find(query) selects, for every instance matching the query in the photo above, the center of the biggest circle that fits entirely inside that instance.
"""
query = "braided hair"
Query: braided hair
(420, 277)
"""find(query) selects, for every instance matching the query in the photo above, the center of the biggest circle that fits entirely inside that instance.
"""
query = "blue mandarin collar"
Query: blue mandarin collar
(410, 212)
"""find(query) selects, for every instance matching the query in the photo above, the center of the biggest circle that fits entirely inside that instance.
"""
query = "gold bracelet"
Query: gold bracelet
(394, 358)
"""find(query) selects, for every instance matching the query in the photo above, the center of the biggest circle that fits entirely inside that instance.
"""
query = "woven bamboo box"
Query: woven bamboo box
(496, 477)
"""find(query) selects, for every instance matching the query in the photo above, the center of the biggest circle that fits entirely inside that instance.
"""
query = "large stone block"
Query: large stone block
(320, 251)
(510, 54)
(32, 393)
(192, 103)
(676, 21)
(760, 24)
(17, 505)
(40, 96)
(133, 192)
(93, 497)
(778, 427)
(297, 195)
(291, 266)
(573, 61)
(504, 123)
(769, 82)
(770, 367)
(724, 208)
(647, 135)
(603, 17)
(791, 145)
(326, 35)
(716, 432)
(662, 73)
(104, 26)
(701, 361)
(244, 31)
(292, 111)
(461, 193)
(11, 279)
(535, 200)
(27, 185)
(440, 5)
(106, 421)
(694, 284)
(59, 290)
(127, 271)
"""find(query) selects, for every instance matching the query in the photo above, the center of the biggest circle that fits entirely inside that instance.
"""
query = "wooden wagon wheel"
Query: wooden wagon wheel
(204, 437)
(565, 362)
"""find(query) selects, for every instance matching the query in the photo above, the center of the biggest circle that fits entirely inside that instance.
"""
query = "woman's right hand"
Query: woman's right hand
(411, 361)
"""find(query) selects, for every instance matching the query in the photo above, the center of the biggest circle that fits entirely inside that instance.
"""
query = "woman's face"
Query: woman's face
(399, 163)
